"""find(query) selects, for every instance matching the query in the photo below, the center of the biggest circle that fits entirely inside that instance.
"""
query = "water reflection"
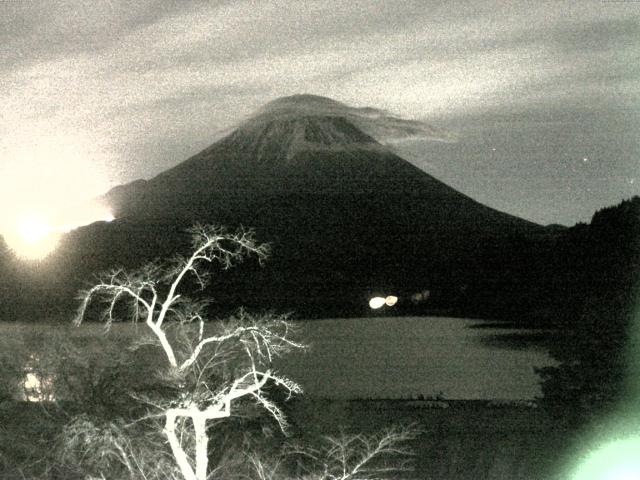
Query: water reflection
(37, 386)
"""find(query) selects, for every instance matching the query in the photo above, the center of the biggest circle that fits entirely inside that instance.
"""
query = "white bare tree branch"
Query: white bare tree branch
(361, 457)
(152, 293)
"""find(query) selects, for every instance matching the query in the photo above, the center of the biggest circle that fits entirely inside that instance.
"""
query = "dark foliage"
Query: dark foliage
(602, 279)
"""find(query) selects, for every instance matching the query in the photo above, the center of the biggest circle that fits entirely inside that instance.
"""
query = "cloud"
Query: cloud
(379, 124)
(145, 79)
(38, 31)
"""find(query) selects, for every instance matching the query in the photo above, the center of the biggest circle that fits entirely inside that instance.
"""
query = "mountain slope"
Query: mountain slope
(292, 147)
(345, 215)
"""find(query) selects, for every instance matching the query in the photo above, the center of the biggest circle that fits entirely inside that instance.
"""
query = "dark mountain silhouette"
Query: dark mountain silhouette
(302, 146)
(345, 215)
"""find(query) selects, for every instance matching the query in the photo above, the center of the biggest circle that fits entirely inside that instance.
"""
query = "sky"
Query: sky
(543, 97)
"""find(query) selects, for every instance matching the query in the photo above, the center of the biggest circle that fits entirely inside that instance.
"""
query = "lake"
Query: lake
(394, 357)
(404, 356)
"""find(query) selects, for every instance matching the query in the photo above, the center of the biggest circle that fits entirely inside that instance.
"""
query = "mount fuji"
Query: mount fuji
(347, 217)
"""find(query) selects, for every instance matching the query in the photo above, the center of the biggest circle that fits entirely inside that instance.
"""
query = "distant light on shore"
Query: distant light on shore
(377, 302)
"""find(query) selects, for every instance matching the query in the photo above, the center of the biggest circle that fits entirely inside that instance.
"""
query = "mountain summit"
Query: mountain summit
(379, 124)
(344, 213)
(292, 145)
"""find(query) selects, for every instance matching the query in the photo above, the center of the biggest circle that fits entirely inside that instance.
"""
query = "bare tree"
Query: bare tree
(375, 456)
(199, 353)
(360, 456)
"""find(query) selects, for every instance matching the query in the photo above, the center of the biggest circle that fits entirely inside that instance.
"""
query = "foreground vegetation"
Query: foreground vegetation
(98, 372)
(183, 401)
(468, 440)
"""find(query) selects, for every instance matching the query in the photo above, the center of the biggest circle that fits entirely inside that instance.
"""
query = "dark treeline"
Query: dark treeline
(549, 279)
(598, 322)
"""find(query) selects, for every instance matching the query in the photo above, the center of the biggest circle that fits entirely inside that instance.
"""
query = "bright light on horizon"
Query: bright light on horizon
(32, 229)
(33, 236)
(91, 215)
(49, 178)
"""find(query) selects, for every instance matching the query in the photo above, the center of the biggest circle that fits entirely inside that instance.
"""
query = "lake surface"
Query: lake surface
(393, 357)
(400, 357)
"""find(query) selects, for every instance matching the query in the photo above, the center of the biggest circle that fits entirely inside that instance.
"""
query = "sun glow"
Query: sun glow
(32, 229)
(33, 237)
(48, 179)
